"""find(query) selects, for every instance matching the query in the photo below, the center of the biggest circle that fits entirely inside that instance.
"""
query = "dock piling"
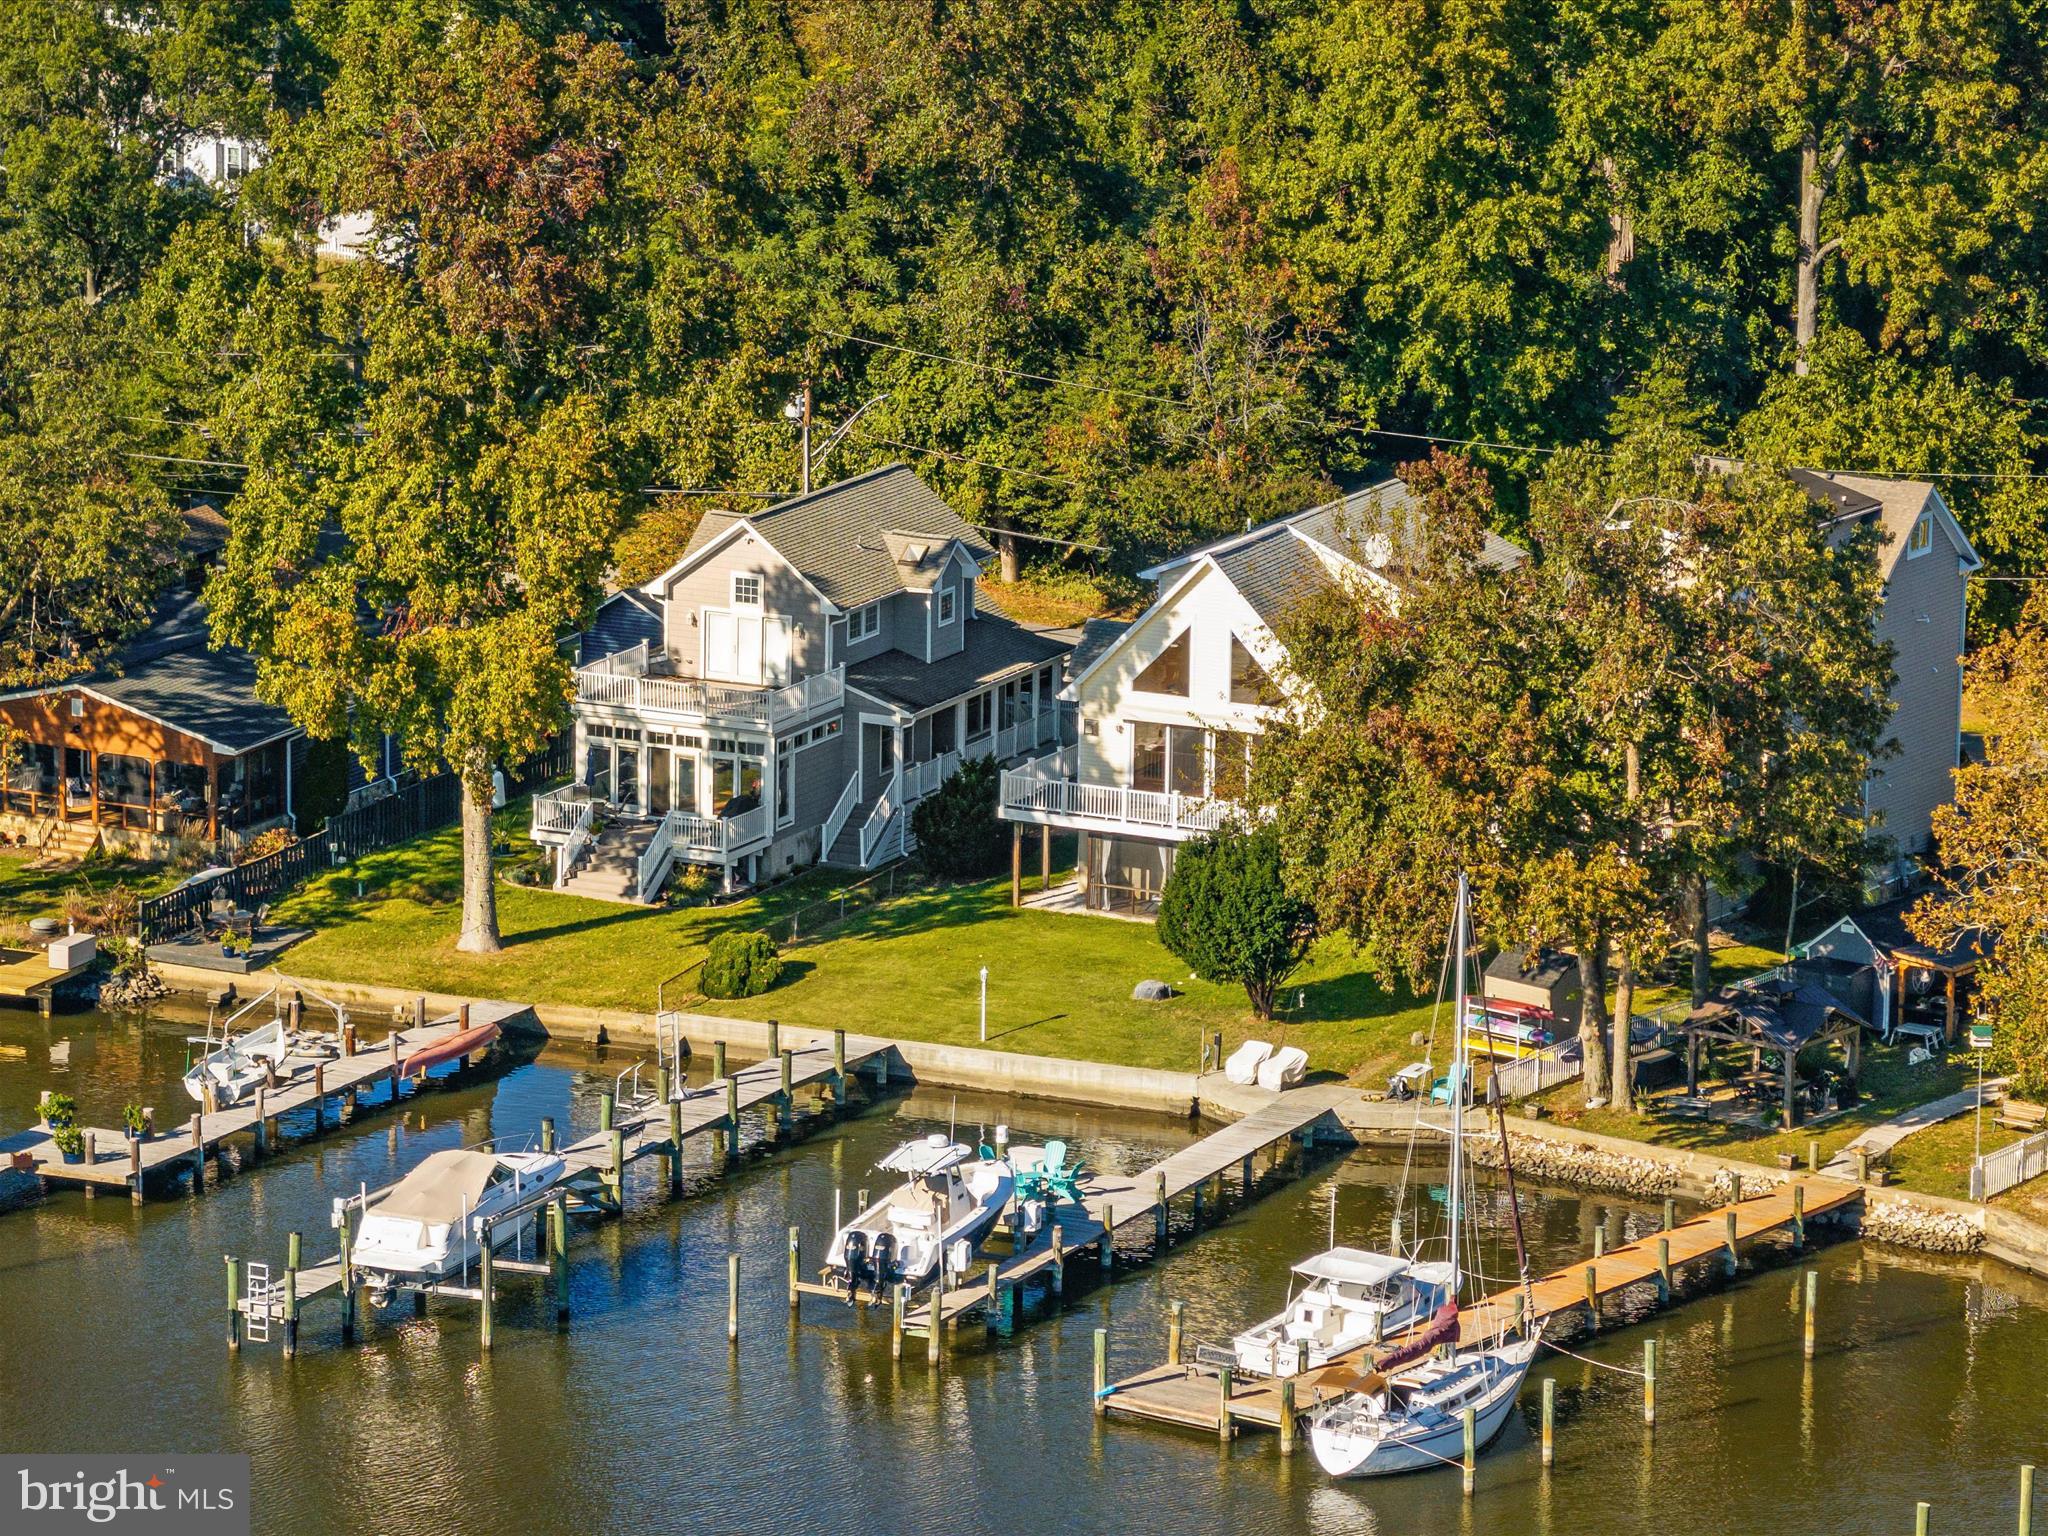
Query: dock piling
(1664, 1270)
(1812, 1303)
(732, 1114)
(1549, 1420)
(1159, 1200)
(261, 1128)
(1287, 1417)
(1223, 1386)
(839, 1068)
(1650, 1382)
(1101, 1372)
(1734, 1262)
(484, 1292)
(320, 1096)
(291, 1308)
(785, 1105)
(795, 1267)
(1108, 1244)
(1799, 1216)
(558, 1256)
(1471, 1452)
(732, 1298)
(1670, 1213)
(547, 1133)
(1174, 1311)
(1592, 1299)
(896, 1294)
(2026, 1500)
(1059, 1261)
(350, 1215)
(234, 1302)
(1920, 1513)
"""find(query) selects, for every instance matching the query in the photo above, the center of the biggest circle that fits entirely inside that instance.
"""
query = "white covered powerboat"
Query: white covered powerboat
(430, 1224)
(952, 1198)
(1406, 1411)
(1340, 1301)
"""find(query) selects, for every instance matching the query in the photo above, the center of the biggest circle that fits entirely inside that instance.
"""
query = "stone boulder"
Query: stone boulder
(1152, 992)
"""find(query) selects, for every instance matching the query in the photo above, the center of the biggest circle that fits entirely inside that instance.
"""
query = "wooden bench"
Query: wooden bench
(2018, 1115)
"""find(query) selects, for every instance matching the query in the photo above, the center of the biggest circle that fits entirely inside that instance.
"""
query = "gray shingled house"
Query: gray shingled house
(788, 689)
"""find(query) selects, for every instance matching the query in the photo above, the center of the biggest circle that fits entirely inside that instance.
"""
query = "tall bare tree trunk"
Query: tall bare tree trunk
(1623, 1096)
(1815, 181)
(1702, 933)
(1009, 565)
(1621, 224)
(1593, 1017)
(479, 888)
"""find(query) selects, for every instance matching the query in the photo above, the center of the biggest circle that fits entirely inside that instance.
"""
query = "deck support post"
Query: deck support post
(732, 1298)
(1198, 1207)
(1174, 1312)
(484, 1290)
(1471, 1452)
(1812, 1303)
(1223, 1388)
(1244, 1175)
(1101, 1372)
(558, 1256)
(1017, 865)
(1549, 1420)
(1650, 1382)
(1664, 1270)
(234, 1303)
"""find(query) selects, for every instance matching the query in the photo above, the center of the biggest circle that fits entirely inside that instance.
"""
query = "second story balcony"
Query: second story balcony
(1044, 792)
(649, 687)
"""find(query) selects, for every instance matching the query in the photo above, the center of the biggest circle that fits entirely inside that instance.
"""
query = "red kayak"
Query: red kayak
(475, 1038)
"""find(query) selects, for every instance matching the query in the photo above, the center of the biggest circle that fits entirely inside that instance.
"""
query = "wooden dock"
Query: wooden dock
(156, 1166)
(632, 1126)
(32, 978)
(1113, 1202)
(1198, 1396)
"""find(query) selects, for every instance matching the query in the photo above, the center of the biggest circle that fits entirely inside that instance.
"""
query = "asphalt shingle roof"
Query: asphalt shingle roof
(1274, 574)
(1097, 636)
(996, 648)
(841, 537)
(204, 693)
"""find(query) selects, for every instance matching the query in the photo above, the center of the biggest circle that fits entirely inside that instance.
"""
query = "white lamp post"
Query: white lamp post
(984, 1005)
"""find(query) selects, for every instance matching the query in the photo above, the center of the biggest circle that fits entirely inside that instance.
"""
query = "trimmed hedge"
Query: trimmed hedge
(740, 965)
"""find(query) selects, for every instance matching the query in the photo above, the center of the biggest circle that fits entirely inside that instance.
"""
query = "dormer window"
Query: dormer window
(863, 623)
(947, 604)
(1921, 539)
(746, 591)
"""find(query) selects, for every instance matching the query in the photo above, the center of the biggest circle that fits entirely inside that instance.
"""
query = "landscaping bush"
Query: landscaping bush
(740, 965)
(958, 834)
(1227, 912)
(113, 910)
(264, 844)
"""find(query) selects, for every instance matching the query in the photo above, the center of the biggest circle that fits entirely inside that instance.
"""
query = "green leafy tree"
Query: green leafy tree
(410, 570)
(1226, 910)
(958, 833)
(1994, 887)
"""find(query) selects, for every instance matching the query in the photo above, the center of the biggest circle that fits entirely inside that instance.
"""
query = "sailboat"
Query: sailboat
(1407, 1412)
(949, 1204)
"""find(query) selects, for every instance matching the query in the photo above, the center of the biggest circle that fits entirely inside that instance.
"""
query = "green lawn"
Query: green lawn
(1937, 1160)
(1889, 1086)
(1059, 984)
(27, 893)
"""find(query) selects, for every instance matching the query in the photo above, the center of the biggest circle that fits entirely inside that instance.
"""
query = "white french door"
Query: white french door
(746, 647)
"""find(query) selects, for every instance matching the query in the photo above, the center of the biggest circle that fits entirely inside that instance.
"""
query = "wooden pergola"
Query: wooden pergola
(1773, 1013)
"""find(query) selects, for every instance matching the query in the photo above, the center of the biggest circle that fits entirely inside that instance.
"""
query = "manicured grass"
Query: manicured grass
(1937, 1160)
(27, 893)
(1059, 984)
(1889, 1086)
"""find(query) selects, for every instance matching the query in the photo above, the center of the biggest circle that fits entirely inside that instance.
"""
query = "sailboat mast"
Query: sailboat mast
(1458, 1070)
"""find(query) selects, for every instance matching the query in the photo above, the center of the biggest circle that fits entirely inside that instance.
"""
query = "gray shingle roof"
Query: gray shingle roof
(1274, 574)
(840, 537)
(995, 649)
(204, 693)
(1097, 636)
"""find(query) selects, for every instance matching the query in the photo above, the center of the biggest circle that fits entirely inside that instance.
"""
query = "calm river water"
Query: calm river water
(1932, 1380)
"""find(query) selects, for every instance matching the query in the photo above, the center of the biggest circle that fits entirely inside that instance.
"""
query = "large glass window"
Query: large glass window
(977, 716)
(1249, 683)
(1187, 759)
(945, 731)
(1168, 672)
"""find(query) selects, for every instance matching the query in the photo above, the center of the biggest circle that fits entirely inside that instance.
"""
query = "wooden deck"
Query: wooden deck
(1191, 1395)
(32, 978)
(1113, 1202)
(146, 1168)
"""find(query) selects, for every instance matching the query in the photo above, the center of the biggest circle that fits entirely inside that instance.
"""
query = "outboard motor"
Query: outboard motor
(885, 1271)
(853, 1257)
(1032, 1216)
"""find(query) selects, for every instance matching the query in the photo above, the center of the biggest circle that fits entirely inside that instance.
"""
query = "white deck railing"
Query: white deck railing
(728, 703)
(562, 818)
(921, 779)
(880, 815)
(849, 797)
(1036, 793)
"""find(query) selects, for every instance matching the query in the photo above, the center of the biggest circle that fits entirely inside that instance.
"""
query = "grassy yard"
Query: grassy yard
(27, 893)
(1937, 1160)
(1059, 984)
(1889, 1085)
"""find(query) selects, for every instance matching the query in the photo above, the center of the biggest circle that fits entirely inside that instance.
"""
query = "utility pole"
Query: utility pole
(807, 436)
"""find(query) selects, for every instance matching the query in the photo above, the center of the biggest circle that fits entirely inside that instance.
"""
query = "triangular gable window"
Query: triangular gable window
(1249, 682)
(1168, 672)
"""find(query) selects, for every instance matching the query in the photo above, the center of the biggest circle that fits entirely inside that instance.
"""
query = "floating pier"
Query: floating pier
(150, 1167)
(1110, 1203)
(1198, 1396)
(632, 1126)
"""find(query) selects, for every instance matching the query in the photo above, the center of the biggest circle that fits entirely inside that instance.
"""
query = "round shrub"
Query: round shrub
(740, 965)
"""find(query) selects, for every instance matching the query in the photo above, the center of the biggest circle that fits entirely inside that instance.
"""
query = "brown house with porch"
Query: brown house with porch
(169, 743)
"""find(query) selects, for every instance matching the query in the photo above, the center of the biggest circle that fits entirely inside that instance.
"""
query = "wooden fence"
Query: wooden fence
(1996, 1172)
(407, 813)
